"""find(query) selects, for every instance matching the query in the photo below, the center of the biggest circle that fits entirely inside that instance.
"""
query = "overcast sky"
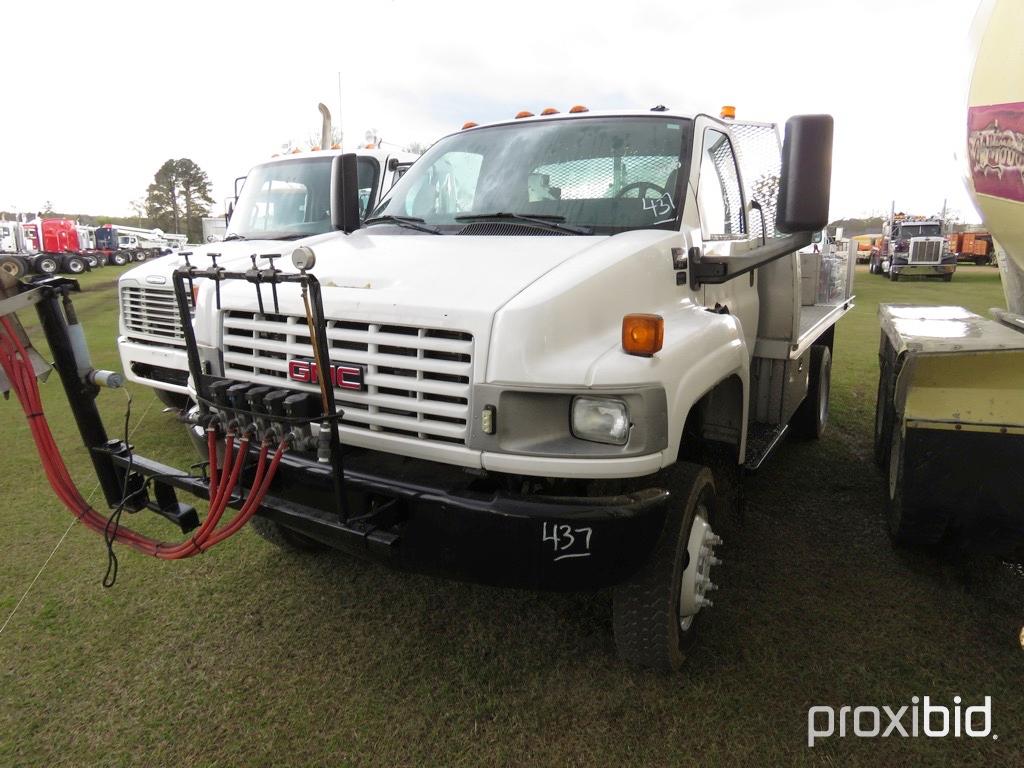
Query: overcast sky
(109, 91)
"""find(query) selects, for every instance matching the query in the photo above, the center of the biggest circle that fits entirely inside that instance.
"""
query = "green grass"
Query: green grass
(250, 656)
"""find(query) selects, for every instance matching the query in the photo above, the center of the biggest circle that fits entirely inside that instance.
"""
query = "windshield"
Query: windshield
(292, 199)
(603, 174)
(908, 231)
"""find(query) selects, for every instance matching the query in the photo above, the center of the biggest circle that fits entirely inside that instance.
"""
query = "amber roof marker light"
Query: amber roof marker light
(577, 109)
(728, 112)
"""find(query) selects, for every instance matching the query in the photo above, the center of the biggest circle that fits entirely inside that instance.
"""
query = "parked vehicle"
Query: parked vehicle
(975, 247)
(949, 418)
(913, 245)
(554, 344)
(282, 201)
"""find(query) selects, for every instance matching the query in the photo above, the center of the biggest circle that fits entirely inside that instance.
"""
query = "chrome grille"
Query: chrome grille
(417, 379)
(152, 312)
(925, 252)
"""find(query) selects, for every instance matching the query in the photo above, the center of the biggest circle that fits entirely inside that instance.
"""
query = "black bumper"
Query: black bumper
(433, 518)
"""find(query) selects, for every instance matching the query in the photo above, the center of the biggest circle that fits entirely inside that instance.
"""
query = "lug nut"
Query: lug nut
(711, 586)
(714, 561)
(706, 603)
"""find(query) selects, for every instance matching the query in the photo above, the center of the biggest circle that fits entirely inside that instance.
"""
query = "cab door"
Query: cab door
(718, 187)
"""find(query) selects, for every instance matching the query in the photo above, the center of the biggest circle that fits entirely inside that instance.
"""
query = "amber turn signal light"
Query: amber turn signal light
(643, 335)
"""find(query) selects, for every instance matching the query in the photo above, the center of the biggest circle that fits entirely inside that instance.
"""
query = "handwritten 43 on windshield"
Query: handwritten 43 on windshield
(566, 540)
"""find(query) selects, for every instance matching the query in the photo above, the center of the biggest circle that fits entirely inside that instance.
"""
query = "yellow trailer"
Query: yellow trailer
(949, 418)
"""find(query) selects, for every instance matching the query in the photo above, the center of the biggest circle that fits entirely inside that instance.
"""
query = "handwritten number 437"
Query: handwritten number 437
(567, 541)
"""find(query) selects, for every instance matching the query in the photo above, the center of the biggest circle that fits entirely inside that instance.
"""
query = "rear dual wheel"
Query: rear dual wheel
(811, 417)
(656, 613)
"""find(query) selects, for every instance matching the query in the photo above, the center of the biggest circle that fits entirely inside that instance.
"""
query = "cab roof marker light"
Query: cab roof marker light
(549, 111)
(728, 112)
(469, 124)
(577, 109)
(523, 113)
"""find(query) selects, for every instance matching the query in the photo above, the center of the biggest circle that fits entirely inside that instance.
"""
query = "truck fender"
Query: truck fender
(706, 349)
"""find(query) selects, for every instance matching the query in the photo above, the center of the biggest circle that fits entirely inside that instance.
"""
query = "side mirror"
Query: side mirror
(817, 237)
(806, 174)
(228, 215)
(345, 193)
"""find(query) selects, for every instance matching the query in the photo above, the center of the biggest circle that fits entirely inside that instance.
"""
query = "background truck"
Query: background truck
(913, 245)
(975, 247)
(282, 201)
(949, 418)
(123, 244)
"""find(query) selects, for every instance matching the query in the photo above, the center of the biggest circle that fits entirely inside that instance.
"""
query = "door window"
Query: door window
(718, 189)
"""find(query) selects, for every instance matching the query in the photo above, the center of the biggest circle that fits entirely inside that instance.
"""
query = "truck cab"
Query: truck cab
(916, 246)
(282, 201)
(553, 344)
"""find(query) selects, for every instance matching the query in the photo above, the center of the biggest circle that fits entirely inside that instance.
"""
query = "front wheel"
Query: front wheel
(655, 614)
(894, 275)
(948, 277)
(118, 259)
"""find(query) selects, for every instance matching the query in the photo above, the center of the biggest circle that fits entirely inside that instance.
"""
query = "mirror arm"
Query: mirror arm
(721, 269)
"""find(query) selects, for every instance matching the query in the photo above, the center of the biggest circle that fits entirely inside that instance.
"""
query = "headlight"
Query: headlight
(601, 420)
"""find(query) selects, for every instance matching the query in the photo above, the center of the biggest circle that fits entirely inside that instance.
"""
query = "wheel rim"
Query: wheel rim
(11, 269)
(75, 267)
(49, 266)
(696, 581)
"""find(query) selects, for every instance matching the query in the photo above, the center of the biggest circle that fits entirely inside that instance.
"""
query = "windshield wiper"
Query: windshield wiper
(235, 237)
(551, 221)
(410, 222)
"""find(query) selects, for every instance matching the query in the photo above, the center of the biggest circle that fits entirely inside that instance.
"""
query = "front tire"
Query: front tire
(948, 277)
(655, 614)
(894, 275)
(118, 259)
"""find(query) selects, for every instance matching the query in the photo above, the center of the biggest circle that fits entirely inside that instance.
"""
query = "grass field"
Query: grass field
(250, 656)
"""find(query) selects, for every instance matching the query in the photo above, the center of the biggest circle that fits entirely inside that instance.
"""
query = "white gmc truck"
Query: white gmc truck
(282, 202)
(554, 345)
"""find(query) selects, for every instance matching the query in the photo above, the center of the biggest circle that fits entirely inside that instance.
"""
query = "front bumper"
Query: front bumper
(432, 518)
(159, 367)
(923, 269)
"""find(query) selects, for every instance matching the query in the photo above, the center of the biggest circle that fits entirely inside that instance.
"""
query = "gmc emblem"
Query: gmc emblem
(343, 375)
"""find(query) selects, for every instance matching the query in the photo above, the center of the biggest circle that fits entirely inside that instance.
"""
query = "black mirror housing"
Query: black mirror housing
(345, 193)
(806, 182)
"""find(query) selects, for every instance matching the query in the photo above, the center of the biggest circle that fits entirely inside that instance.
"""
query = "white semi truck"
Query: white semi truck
(282, 201)
(553, 346)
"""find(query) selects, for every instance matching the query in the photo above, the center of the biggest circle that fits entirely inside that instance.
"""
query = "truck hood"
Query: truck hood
(399, 273)
(231, 254)
(445, 282)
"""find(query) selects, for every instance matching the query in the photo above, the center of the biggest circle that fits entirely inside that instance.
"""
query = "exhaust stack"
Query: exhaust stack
(325, 130)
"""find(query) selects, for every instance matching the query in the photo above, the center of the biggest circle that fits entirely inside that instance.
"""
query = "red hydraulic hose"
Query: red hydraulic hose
(17, 366)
